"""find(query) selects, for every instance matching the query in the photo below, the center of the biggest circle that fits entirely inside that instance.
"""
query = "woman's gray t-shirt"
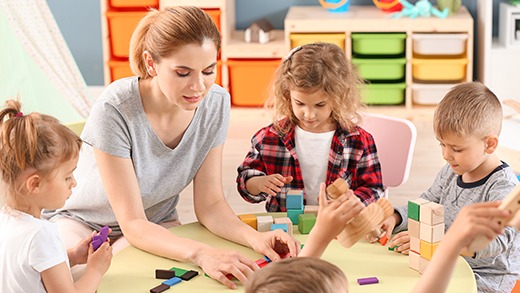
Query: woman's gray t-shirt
(117, 125)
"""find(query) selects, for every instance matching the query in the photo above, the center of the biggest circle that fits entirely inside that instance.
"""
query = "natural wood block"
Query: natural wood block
(285, 220)
(432, 213)
(428, 249)
(423, 264)
(431, 233)
(413, 260)
(415, 244)
(414, 208)
(311, 209)
(337, 188)
(414, 228)
(249, 219)
(264, 223)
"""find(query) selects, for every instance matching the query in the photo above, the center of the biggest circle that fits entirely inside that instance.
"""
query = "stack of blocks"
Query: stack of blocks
(295, 211)
(426, 229)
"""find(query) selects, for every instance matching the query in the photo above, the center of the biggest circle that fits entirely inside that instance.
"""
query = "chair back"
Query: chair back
(395, 141)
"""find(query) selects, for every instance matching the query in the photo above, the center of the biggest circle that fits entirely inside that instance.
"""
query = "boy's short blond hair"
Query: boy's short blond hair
(298, 275)
(468, 109)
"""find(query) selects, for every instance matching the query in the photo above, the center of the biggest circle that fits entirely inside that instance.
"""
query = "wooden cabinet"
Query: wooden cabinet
(420, 71)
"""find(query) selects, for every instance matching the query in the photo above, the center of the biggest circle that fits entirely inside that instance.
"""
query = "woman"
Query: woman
(148, 137)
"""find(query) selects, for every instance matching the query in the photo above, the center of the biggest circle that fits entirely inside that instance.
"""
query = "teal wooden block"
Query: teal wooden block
(306, 223)
(294, 200)
(280, 226)
(293, 215)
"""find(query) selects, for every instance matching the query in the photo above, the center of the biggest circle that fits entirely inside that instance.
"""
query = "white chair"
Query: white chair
(395, 141)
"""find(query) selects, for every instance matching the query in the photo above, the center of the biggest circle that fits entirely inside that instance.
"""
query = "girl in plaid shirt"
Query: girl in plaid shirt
(315, 135)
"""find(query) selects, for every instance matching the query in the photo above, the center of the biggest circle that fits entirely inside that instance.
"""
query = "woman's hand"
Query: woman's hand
(219, 264)
(275, 243)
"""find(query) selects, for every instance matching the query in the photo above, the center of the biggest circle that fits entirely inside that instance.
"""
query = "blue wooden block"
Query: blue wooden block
(294, 200)
(280, 226)
(172, 281)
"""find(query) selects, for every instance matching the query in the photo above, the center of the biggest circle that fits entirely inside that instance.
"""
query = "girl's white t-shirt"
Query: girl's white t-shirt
(313, 151)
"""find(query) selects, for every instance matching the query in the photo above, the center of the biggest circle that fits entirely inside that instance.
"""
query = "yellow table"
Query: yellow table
(133, 270)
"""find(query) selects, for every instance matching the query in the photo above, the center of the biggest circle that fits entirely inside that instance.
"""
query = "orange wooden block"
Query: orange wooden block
(428, 249)
(249, 219)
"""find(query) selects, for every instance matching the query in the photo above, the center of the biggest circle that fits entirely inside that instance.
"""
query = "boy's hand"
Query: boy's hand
(387, 226)
(270, 184)
(402, 241)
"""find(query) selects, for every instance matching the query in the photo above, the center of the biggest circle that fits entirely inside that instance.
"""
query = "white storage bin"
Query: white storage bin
(439, 44)
(429, 94)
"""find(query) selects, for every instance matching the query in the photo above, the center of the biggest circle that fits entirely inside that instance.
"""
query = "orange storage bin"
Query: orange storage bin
(121, 25)
(215, 16)
(119, 69)
(249, 80)
(133, 3)
(218, 80)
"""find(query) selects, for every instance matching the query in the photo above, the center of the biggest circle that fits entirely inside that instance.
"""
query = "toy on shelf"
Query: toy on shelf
(366, 221)
(259, 31)
(335, 5)
(423, 8)
(452, 5)
(388, 5)
(512, 203)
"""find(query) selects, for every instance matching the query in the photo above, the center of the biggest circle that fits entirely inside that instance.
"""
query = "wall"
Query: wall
(82, 30)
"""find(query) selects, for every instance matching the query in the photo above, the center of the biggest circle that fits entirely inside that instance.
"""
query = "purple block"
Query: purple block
(100, 238)
(367, 281)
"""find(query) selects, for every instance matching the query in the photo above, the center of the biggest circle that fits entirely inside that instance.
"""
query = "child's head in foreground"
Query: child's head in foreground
(322, 72)
(34, 149)
(467, 123)
(298, 275)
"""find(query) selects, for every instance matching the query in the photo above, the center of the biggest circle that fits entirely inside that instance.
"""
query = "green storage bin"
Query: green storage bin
(383, 93)
(380, 69)
(378, 44)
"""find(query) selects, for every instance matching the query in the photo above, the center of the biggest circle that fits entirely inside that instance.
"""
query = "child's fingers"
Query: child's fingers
(322, 196)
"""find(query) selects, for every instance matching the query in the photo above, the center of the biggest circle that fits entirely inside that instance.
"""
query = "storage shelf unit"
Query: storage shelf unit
(369, 19)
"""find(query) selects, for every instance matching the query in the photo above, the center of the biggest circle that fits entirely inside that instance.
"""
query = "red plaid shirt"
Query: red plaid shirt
(353, 157)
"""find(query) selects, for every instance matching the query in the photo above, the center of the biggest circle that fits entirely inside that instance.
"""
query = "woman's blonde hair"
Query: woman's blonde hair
(162, 32)
(298, 275)
(318, 67)
(35, 141)
(468, 109)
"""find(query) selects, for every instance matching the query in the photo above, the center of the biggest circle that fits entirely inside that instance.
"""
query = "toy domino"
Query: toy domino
(101, 237)
(512, 203)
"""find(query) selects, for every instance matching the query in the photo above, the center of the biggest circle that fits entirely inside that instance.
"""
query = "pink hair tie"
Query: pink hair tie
(19, 114)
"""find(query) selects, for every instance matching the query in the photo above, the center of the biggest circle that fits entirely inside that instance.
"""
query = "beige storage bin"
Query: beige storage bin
(439, 44)
(429, 94)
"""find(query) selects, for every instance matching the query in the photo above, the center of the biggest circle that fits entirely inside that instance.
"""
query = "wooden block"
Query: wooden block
(306, 223)
(164, 274)
(414, 228)
(431, 233)
(189, 275)
(285, 220)
(512, 203)
(423, 264)
(264, 223)
(414, 208)
(337, 188)
(294, 199)
(283, 227)
(311, 209)
(415, 244)
(432, 213)
(413, 260)
(172, 281)
(428, 249)
(249, 219)
(293, 215)
(160, 288)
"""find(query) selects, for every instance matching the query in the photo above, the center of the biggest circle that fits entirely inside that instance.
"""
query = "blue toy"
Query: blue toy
(422, 8)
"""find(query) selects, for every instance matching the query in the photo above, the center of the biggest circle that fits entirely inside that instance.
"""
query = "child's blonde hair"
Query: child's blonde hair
(318, 67)
(298, 275)
(162, 32)
(32, 142)
(468, 109)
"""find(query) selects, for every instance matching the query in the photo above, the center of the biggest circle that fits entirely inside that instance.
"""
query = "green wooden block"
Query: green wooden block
(293, 215)
(306, 222)
(178, 272)
(414, 208)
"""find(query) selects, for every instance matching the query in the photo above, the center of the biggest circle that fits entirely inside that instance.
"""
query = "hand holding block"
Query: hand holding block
(368, 219)
(100, 238)
(337, 188)
(512, 203)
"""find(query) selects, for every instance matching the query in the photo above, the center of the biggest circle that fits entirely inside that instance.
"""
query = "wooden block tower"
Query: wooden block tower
(426, 229)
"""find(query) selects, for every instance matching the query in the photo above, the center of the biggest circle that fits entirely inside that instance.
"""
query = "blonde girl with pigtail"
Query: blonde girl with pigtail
(37, 158)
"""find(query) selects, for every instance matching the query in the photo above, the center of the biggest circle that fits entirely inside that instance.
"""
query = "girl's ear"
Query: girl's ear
(33, 183)
(150, 64)
(491, 144)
